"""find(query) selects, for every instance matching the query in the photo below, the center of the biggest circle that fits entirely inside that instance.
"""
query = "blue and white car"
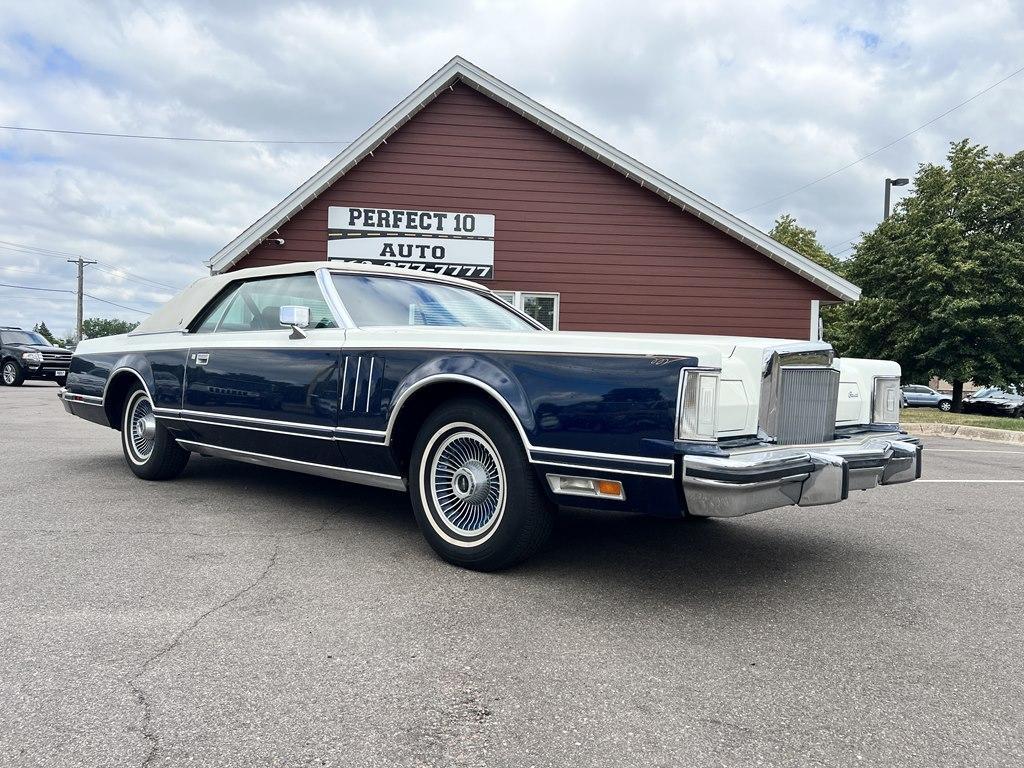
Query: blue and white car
(434, 386)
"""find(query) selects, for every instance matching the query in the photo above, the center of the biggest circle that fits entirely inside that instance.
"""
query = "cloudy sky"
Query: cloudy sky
(741, 102)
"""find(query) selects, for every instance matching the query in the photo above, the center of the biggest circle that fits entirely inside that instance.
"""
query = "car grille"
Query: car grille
(56, 361)
(808, 398)
(799, 395)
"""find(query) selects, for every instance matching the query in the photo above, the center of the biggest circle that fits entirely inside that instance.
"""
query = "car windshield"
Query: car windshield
(24, 337)
(988, 392)
(398, 301)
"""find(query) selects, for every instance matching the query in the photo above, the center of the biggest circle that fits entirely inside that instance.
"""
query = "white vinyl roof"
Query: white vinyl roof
(460, 70)
(176, 314)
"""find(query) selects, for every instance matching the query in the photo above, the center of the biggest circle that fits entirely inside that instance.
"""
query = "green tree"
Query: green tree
(804, 241)
(43, 331)
(943, 278)
(94, 327)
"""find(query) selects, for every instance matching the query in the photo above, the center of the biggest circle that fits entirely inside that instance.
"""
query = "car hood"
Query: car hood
(710, 350)
(40, 348)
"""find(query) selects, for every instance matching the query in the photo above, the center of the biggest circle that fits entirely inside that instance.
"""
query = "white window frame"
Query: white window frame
(816, 329)
(519, 300)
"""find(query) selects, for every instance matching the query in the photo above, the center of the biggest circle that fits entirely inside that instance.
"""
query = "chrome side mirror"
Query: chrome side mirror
(295, 317)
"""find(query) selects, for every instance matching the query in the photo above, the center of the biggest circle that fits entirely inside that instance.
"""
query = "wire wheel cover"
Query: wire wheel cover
(467, 481)
(142, 428)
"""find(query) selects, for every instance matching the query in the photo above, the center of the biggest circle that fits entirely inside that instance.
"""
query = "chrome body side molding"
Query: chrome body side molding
(376, 479)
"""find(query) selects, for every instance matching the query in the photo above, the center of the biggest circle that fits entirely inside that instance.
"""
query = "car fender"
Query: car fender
(492, 379)
(134, 367)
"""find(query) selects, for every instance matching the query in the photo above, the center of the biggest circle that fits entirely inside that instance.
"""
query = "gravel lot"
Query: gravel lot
(246, 616)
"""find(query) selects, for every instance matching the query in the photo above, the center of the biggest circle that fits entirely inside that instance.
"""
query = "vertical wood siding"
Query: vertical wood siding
(621, 257)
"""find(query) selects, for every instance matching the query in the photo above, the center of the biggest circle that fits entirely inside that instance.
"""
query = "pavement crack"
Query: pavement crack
(145, 728)
(314, 529)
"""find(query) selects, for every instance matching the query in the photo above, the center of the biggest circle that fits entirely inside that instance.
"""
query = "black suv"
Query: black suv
(27, 355)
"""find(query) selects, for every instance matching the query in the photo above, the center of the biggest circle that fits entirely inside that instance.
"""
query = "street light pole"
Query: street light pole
(889, 183)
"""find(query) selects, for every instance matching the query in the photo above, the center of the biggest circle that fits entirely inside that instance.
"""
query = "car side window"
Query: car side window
(216, 312)
(238, 314)
(255, 305)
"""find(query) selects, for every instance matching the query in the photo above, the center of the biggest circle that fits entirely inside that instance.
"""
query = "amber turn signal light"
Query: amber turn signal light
(609, 488)
(586, 486)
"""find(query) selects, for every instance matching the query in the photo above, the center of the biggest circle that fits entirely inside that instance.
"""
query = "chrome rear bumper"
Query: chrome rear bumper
(63, 400)
(756, 480)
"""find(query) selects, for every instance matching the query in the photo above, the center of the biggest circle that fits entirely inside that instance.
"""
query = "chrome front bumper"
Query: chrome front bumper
(759, 479)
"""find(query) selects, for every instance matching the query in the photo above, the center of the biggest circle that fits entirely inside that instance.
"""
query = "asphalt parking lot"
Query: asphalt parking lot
(246, 616)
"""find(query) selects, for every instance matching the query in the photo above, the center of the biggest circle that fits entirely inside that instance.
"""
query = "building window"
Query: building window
(542, 307)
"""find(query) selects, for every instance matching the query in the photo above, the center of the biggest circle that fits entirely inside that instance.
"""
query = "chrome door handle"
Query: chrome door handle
(202, 358)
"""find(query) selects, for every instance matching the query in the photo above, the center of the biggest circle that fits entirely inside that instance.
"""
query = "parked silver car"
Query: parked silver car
(917, 396)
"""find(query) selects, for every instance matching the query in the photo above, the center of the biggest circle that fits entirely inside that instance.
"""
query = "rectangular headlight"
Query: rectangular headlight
(697, 417)
(885, 400)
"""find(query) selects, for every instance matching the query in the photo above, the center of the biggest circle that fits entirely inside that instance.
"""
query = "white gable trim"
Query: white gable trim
(458, 69)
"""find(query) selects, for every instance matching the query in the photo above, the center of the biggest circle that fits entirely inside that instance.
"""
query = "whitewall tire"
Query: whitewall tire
(475, 495)
(149, 450)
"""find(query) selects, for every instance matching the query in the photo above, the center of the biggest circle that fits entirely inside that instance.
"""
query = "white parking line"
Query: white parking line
(967, 450)
(950, 480)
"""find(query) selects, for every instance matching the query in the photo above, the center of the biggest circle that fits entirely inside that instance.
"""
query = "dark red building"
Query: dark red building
(584, 237)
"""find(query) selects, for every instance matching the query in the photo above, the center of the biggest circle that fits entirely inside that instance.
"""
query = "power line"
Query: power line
(65, 290)
(33, 288)
(151, 284)
(849, 242)
(118, 272)
(202, 139)
(37, 249)
(115, 304)
(115, 271)
(23, 270)
(890, 144)
(54, 254)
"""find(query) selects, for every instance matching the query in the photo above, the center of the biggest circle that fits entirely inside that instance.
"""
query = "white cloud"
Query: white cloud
(739, 101)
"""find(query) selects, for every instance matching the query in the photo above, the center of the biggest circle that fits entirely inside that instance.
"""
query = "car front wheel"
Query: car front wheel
(13, 376)
(945, 406)
(476, 498)
(149, 449)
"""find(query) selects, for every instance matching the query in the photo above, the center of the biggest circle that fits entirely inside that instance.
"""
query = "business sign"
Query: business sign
(458, 244)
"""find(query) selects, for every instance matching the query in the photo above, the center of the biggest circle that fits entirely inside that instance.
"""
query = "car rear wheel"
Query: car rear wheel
(12, 375)
(149, 449)
(945, 405)
(476, 498)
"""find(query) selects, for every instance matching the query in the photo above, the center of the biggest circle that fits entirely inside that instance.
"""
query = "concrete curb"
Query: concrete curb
(965, 432)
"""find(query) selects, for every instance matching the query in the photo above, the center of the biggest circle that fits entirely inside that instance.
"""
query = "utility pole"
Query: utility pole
(81, 290)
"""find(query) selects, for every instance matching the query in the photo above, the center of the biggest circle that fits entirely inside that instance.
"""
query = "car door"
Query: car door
(254, 387)
(913, 395)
